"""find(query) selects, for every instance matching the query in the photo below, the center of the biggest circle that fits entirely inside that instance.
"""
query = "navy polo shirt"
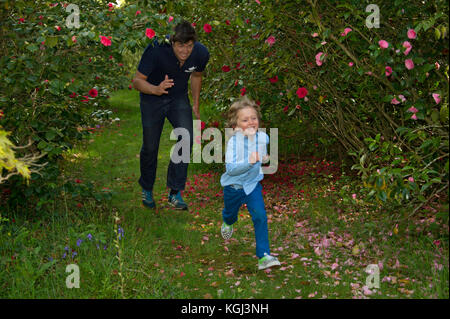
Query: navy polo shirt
(159, 60)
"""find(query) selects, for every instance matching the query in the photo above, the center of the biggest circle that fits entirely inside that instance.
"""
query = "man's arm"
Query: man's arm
(196, 86)
(140, 83)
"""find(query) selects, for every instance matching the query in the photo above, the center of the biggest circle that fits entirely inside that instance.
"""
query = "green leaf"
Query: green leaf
(51, 41)
(32, 47)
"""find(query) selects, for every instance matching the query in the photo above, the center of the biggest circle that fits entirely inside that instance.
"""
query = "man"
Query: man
(162, 78)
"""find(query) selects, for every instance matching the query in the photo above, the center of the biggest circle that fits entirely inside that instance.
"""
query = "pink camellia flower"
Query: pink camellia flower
(315, 34)
(412, 109)
(207, 28)
(437, 65)
(302, 92)
(402, 98)
(436, 97)
(93, 93)
(414, 117)
(258, 2)
(350, 64)
(150, 33)
(346, 31)
(270, 40)
(411, 179)
(138, 12)
(411, 34)
(274, 79)
(383, 44)
(74, 39)
(58, 28)
(354, 196)
(407, 46)
(388, 70)
(409, 64)
(318, 60)
(170, 19)
(226, 68)
(105, 41)
(395, 101)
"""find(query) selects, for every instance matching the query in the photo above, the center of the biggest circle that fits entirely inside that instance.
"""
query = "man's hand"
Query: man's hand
(163, 86)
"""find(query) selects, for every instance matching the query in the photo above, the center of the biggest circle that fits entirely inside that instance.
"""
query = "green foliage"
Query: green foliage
(350, 98)
(268, 51)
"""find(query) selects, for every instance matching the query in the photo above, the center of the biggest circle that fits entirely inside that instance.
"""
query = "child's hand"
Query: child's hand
(254, 157)
(250, 131)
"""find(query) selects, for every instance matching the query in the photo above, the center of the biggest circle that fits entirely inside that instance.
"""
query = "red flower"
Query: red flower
(105, 40)
(215, 124)
(21, 20)
(203, 125)
(274, 79)
(93, 93)
(227, 22)
(78, 181)
(207, 28)
(243, 90)
(150, 33)
(302, 92)
(226, 68)
(286, 108)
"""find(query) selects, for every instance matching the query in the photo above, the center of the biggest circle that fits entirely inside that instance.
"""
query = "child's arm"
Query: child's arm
(235, 162)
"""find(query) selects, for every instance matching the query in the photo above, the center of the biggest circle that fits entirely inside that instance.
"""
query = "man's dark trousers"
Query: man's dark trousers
(179, 113)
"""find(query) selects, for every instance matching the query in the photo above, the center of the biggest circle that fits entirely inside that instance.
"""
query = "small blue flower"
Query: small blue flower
(64, 255)
(121, 232)
(66, 248)
(89, 236)
(79, 241)
(74, 254)
(50, 259)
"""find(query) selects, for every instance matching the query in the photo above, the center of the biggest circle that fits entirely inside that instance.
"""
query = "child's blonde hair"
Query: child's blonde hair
(240, 104)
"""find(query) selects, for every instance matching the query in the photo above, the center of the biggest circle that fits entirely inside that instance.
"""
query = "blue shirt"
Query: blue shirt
(238, 169)
(159, 60)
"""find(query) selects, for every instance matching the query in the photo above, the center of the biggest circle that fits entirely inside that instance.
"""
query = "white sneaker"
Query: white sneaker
(267, 261)
(226, 231)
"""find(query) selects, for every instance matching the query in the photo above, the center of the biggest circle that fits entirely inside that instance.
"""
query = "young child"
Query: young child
(245, 150)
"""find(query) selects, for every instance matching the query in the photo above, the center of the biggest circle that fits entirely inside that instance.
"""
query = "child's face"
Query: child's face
(248, 120)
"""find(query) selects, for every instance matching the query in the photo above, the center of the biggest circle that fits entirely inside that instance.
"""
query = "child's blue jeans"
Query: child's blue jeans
(234, 199)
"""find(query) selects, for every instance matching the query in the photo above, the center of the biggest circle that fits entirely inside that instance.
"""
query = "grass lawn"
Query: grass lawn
(324, 238)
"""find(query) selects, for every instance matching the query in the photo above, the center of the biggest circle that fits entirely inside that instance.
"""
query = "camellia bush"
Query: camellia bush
(372, 76)
(368, 81)
(59, 62)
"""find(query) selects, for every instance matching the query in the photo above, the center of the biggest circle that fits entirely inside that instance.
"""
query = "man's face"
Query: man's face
(183, 50)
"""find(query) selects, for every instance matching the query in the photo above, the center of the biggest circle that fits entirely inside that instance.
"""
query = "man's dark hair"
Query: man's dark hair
(184, 32)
